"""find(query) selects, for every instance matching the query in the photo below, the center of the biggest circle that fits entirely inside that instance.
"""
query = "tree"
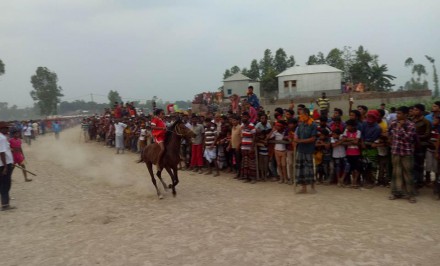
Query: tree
(335, 59)
(434, 76)
(227, 74)
(266, 64)
(419, 70)
(46, 91)
(2, 67)
(235, 70)
(361, 68)
(291, 61)
(316, 59)
(269, 83)
(254, 71)
(245, 72)
(113, 96)
(280, 60)
(378, 79)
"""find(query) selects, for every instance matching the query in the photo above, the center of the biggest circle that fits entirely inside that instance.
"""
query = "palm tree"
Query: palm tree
(434, 76)
(378, 79)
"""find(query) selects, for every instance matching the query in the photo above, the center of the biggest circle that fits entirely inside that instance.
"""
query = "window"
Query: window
(292, 83)
(229, 91)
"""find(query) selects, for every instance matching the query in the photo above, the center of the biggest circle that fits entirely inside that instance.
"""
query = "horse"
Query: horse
(171, 156)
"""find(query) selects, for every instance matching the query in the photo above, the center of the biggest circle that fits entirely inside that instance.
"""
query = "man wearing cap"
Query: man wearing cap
(6, 166)
(370, 132)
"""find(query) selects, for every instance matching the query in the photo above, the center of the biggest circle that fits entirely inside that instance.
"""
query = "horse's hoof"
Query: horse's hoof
(160, 197)
(174, 194)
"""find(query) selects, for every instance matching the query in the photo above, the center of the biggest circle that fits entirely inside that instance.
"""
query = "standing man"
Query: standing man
(197, 144)
(324, 104)
(305, 139)
(56, 128)
(423, 130)
(27, 132)
(248, 169)
(402, 134)
(252, 98)
(119, 136)
(6, 167)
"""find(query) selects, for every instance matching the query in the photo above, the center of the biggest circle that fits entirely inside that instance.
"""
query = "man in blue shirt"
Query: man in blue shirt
(252, 98)
(56, 128)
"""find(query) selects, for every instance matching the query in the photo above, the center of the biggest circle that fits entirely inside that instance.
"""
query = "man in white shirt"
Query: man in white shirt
(27, 132)
(6, 167)
(119, 136)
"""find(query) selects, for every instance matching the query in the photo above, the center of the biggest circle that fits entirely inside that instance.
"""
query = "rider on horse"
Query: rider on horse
(159, 128)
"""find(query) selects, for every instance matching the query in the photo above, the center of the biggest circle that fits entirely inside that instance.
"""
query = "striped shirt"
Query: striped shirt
(324, 103)
(247, 136)
(210, 133)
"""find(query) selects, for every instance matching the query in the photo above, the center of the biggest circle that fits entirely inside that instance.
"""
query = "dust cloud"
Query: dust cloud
(94, 161)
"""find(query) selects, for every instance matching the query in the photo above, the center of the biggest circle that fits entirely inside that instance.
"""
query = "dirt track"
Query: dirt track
(89, 206)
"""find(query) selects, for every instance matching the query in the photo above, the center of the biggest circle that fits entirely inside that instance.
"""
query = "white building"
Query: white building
(309, 80)
(238, 84)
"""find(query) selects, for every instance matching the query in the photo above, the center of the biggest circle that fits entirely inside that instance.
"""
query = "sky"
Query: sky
(174, 49)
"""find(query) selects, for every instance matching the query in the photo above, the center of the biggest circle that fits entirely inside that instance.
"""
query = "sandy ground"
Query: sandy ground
(89, 206)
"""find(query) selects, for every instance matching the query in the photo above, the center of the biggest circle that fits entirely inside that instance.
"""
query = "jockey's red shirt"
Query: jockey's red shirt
(158, 134)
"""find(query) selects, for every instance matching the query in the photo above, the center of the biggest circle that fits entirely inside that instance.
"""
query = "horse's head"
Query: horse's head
(183, 131)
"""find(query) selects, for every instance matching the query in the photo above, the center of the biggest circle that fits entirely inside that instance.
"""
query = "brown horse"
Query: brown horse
(171, 157)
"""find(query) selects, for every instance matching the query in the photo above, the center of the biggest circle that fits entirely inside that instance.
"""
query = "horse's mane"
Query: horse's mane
(171, 130)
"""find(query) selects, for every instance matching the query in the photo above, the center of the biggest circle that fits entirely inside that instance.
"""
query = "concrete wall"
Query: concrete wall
(308, 85)
(369, 99)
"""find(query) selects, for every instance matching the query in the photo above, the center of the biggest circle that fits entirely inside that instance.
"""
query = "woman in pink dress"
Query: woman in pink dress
(17, 152)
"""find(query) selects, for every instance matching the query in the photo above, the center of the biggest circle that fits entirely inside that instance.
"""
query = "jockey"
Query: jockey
(159, 129)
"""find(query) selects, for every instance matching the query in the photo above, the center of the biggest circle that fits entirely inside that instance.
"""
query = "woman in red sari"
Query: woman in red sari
(17, 152)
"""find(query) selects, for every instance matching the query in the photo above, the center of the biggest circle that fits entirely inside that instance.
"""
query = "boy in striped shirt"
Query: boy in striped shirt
(210, 153)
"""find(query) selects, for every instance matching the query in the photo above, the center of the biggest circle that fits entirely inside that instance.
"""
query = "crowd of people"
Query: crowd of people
(11, 153)
(373, 147)
(296, 145)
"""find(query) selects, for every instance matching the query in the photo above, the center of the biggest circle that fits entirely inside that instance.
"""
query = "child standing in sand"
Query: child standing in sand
(17, 152)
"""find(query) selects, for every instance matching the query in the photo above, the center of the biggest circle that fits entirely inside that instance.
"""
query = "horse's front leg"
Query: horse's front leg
(173, 179)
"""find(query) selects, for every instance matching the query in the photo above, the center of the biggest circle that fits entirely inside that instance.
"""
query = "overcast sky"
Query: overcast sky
(175, 49)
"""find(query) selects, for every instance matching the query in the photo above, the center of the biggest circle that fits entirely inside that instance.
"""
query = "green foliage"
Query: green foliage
(254, 71)
(269, 83)
(267, 63)
(291, 61)
(265, 70)
(113, 96)
(235, 70)
(2, 67)
(46, 91)
(418, 71)
(15, 113)
(280, 60)
(335, 59)
(378, 79)
(316, 59)
(227, 74)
